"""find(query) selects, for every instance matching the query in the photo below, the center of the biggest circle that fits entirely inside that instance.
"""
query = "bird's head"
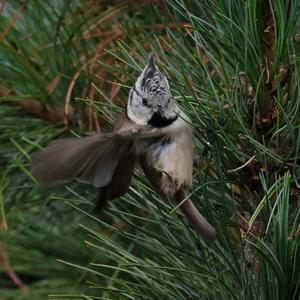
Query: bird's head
(150, 99)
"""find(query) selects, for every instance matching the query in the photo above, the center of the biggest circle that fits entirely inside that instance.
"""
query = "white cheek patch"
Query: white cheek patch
(132, 117)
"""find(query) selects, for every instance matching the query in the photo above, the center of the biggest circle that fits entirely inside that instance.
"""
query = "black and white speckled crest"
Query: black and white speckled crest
(153, 82)
(150, 98)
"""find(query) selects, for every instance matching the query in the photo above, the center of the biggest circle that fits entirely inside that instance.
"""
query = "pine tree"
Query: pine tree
(66, 68)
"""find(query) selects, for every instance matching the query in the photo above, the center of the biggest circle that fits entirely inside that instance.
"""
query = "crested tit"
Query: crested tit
(153, 130)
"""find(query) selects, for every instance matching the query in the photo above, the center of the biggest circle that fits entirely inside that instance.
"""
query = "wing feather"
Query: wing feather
(89, 159)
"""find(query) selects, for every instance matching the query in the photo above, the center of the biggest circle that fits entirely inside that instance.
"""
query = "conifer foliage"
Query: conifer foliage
(66, 68)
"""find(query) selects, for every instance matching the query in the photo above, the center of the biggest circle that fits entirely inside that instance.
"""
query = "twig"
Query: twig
(8, 268)
(34, 107)
(242, 166)
(82, 68)
(190, 86)
(12, 22)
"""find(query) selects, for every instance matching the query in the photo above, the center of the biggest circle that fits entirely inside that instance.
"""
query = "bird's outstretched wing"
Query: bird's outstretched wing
(89, 159)
(92, 159)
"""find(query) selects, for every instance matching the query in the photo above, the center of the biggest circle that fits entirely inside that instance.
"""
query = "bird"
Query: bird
(152, 131)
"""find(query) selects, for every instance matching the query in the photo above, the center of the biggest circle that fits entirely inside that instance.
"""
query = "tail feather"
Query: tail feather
(193, 216)
(195, 219)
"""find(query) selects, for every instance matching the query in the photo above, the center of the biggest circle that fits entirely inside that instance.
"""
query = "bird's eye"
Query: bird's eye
(145, 102)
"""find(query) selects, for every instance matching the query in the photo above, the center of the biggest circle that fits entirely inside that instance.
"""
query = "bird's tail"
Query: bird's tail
(195, 219)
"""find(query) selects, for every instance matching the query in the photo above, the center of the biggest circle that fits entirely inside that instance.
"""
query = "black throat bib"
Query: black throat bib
(158, 121)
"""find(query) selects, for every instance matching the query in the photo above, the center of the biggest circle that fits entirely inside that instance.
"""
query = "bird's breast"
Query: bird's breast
(172, 154)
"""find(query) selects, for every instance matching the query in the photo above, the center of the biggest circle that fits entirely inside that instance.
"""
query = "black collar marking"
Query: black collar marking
(157, 120)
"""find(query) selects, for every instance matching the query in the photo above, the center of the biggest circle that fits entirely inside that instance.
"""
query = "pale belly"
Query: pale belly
(172, 154)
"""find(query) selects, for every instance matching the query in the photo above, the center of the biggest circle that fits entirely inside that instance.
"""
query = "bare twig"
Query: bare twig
(7, 266)
(242, 166)
(81, 69)
(12, 22)
(33, 107)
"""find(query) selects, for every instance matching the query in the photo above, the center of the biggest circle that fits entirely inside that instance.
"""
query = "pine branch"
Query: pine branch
(32, 107)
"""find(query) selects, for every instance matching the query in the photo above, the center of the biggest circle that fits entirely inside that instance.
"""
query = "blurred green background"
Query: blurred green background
(66, 68)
